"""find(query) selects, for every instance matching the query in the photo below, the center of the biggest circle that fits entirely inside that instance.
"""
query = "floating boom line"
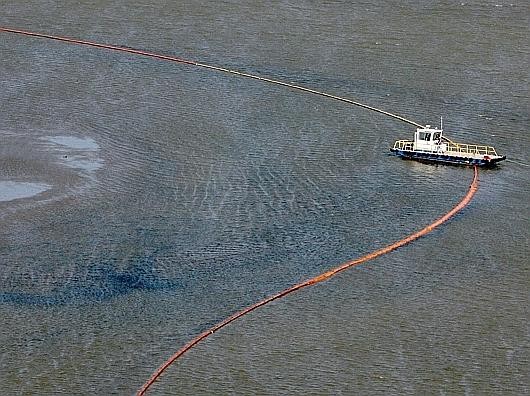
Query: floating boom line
(317, 279)
(313, 281)
(205, 66)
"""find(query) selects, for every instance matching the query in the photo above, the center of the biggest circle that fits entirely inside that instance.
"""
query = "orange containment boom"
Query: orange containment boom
(317, 279)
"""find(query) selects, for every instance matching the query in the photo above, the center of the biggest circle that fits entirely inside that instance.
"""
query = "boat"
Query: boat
(430, 145)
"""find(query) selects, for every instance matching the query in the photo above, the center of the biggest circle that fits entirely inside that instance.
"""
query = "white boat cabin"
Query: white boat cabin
(429, 139)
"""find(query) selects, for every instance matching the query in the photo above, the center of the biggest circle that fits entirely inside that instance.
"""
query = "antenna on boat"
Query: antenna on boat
(441, 123)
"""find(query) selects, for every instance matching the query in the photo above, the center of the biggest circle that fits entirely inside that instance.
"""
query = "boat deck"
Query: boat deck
(461, 150)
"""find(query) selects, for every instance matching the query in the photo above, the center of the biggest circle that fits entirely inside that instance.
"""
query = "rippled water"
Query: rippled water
(147, 200)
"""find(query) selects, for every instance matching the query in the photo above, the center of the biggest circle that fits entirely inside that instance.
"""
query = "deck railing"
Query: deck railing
(470, 149)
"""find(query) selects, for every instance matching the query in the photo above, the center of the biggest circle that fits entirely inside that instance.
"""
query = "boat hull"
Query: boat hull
(447, 159)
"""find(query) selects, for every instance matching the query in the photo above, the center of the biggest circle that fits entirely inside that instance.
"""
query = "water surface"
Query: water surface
(177, 196)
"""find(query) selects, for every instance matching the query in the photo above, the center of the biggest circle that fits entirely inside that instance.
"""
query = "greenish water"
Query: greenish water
(154, 199)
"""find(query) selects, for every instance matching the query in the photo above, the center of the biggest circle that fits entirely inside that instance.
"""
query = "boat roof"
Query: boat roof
(428, 128)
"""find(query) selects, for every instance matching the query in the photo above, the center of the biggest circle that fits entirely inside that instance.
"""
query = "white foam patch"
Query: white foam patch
(10, 190)
(75, 143)
(79, 162)
(77, 152)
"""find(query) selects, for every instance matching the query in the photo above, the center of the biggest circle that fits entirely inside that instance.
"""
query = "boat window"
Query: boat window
(437, 136)
(422, 136)
(428, 136)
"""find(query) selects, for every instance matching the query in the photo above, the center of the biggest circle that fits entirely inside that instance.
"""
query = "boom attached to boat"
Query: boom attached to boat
(430, 145)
